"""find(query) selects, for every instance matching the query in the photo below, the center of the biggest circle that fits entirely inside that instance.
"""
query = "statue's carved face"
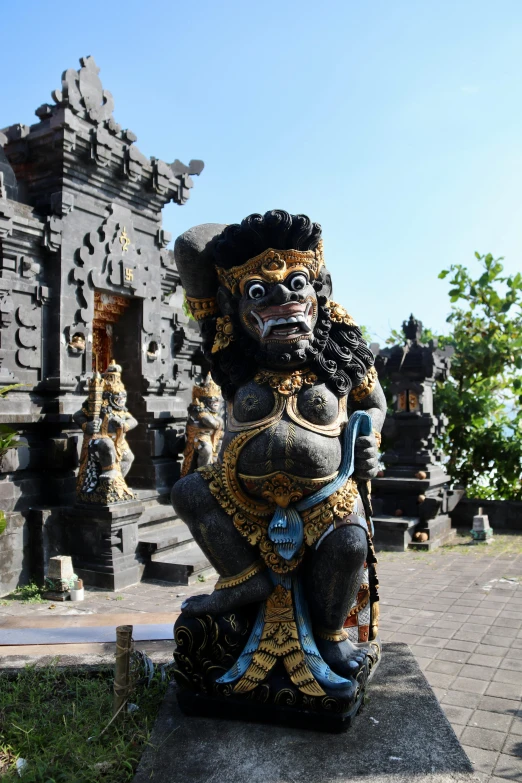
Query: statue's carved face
(119, 400)
(212, 403)
(281, 317)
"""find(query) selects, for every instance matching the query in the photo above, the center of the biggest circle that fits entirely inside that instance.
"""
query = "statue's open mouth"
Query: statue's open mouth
(284, 321)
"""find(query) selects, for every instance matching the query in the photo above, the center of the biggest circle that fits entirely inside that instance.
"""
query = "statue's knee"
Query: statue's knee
(186, 494)
(106, 453)
(354, 542)
(126, 462)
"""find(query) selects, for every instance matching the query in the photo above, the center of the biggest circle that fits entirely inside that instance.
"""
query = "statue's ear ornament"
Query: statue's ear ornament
(202, 307)
(224, 333)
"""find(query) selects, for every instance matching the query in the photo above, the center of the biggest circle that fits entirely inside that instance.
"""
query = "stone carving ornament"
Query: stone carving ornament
(106, 457)
(83, 92)
(284, 513)
(204, 427)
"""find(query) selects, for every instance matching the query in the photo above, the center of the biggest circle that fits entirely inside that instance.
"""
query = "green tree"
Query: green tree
(482, 398)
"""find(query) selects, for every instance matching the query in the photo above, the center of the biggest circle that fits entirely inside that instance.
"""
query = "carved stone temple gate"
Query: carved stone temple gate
(84, 272)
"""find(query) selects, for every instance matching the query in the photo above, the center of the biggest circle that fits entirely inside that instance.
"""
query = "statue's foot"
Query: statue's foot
(109, 474)
(343, 658)
(256, 589)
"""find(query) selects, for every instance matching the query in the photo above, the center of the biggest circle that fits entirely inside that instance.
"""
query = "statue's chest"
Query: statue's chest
(113, 422)
(293, 431)
(314, 407)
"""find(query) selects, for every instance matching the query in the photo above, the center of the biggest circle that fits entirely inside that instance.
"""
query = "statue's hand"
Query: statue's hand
(92, 427)
(366, 457)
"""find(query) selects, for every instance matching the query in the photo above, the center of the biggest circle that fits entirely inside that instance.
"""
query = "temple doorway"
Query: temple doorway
(108, 310)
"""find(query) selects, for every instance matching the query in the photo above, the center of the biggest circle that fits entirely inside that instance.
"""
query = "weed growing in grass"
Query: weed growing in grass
(31, 593)
(47, 716)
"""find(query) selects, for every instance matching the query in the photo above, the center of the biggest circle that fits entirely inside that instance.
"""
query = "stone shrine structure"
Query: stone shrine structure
(411, 501)
(85, 276)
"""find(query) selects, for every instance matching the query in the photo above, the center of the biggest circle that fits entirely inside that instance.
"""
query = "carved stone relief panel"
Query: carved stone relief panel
(112, 259)
(29, 336)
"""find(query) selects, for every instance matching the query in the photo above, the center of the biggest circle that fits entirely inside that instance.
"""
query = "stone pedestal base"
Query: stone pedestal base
(400, 735)
(103, 542)
(396, 534)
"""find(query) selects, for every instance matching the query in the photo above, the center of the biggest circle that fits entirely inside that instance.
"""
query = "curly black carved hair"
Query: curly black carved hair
(277, 229)
(337, 353)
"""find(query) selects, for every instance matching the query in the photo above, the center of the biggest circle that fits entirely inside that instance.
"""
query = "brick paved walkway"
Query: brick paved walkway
(460, 610)
(461, 614)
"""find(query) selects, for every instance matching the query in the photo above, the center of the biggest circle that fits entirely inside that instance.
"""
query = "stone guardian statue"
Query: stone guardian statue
(105, 457)
(204, 428)
(284, 514)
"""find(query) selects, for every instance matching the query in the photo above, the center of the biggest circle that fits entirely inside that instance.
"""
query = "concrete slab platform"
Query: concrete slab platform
(401, 735)
(81, 634)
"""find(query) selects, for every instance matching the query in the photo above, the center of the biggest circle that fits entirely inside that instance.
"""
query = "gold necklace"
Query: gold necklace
(287, 382)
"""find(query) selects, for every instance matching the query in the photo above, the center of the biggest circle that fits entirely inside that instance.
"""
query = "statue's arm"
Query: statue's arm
(88, 425)
(374, 404)
(130, 423)
(80, 418)
(367, 447)
(212, 422)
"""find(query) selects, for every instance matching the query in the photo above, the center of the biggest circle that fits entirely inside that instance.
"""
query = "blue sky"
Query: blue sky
(396, 125)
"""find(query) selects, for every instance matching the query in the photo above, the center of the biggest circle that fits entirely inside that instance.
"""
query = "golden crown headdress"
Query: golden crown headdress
(112, 379)
(207, 389)
(273, 266)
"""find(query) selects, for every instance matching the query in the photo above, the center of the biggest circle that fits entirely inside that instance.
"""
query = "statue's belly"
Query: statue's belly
(292, 449)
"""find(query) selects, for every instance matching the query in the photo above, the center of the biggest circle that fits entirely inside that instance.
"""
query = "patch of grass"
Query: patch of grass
(503, 544)
(47, 716)
(508, 544)
(30, 594)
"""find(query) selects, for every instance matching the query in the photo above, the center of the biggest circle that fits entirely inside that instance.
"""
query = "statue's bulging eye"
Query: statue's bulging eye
(298, 282)
(256, 291)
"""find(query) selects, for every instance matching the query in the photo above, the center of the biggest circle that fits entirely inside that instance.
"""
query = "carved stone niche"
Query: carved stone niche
(77, 339)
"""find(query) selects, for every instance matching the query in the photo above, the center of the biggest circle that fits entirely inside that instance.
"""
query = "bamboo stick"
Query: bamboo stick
(122, 682)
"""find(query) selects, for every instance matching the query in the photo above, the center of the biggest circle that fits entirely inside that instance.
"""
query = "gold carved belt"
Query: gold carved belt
(251, 516)
(283, 488)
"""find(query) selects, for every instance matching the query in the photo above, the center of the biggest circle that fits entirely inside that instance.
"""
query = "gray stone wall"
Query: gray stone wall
(503, 514)
(87, 217)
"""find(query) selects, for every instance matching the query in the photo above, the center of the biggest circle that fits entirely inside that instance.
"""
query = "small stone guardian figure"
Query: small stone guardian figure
(204, 429)
(106, 457)
(284, 514)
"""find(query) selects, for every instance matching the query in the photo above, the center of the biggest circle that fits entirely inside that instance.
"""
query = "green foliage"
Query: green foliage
(482, 399)
(47, 716)
(367, 335)
(186, 308)
(3, 521)
(397, 337)
(31, 593)
(8, 439)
